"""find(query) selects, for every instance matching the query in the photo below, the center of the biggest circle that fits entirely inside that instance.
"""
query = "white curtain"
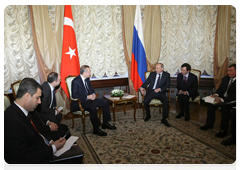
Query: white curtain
(188, 35)
(99, 38)
(19, 54)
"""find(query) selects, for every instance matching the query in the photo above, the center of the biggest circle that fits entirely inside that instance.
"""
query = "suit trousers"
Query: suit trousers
(55, 135)
(53, 118)
(183, 102)
(225, 116)
(162, 97)
(91, 106)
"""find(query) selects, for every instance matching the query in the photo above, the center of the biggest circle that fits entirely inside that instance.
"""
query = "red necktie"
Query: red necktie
(185, 79)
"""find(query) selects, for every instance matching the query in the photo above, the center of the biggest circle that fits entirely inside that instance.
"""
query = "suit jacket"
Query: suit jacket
(191, 86)
(231, 90)
(164, 84)
(79, 92)
(39, 122)
(43, 108)
(22, 143)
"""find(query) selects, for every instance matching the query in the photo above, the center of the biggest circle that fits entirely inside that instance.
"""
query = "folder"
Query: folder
(74, 152)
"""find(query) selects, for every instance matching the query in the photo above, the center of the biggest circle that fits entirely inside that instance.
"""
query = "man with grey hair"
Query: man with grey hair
(157, 83)
(82, 89)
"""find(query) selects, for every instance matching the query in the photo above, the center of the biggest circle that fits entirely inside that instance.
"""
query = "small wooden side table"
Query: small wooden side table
(122, 100)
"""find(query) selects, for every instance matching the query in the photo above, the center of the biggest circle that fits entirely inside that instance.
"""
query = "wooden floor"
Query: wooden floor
(193, 116)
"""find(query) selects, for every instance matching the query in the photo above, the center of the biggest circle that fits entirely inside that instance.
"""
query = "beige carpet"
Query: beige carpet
(152, 143)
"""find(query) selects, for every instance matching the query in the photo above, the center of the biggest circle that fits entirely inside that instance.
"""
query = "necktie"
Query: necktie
(226, 94)
(185, 79)
(44, 139)
(86, 86)
(54, 99)
(158, 81)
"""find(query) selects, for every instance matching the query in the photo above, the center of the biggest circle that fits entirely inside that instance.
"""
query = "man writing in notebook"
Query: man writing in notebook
(225, 93)
(22, 142)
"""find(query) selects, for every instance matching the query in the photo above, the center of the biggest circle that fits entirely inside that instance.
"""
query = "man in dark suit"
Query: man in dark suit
(232, 139)
(48, 108)
(157, 83)
(225, 93)
(82, 89)
(22, 142)
(187, 85)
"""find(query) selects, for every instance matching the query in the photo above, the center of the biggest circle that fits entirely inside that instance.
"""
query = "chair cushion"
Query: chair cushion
(80, 113)
(190, 99)
(6, 102)
(155, 102)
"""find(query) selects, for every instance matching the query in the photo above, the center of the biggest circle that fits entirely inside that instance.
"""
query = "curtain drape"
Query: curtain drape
(48, 46)
(99, 39)
(222, 43)
(188, 35)
(19, 54)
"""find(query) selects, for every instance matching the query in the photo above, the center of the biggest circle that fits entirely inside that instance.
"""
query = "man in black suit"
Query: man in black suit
(82, 89)
(225, 93)
(187, 85)
(22, 142)
(48, 109)
(157, 83)
(232, 139)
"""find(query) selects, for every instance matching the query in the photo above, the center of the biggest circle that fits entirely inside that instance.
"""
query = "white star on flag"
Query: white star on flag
(71, 52)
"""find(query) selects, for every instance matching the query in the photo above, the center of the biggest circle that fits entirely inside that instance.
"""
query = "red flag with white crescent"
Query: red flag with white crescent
(70, 62)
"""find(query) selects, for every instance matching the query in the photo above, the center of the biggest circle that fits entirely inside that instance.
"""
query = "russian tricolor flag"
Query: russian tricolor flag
(139, 63)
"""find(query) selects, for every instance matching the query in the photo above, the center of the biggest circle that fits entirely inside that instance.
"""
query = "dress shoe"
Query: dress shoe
(221, 134)
(179, 115)
(82, 166)
(230, 141)
(165, 122)
(206, 126)
(99, 132)
(187, 117)
(147, 118)
(108, 126)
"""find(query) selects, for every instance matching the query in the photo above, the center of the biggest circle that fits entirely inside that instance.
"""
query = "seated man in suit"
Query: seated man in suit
(187, 86)
(82, 89)
(22, 142)
(48, 109)
(158, 82)
(224, 94)
(232, 139)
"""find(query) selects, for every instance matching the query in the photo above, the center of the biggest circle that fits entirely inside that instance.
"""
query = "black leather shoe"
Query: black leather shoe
(221, 134)
(230, 141)
(108, 126)
(147, 118)
(206, 126)
(82, 166)
(99, 132)
(165, 122)
(179, 115)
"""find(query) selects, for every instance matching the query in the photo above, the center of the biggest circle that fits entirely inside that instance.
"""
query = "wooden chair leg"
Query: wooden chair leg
(124, 107)
(72, 120)
(83, 122)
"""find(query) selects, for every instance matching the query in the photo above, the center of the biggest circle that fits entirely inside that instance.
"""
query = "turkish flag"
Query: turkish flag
(70, 62)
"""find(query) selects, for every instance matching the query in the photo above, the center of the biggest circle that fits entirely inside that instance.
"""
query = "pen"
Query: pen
(66, 134)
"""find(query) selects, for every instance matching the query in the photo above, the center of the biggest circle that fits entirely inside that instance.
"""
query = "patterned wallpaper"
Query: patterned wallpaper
(51, 12)
(232, 58)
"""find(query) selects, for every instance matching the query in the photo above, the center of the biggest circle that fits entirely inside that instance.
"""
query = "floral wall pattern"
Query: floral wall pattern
(234, 35)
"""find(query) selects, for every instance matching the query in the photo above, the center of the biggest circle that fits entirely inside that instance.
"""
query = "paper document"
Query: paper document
(115, 98)
(128, 96)
(67, 145)
(209, 99)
